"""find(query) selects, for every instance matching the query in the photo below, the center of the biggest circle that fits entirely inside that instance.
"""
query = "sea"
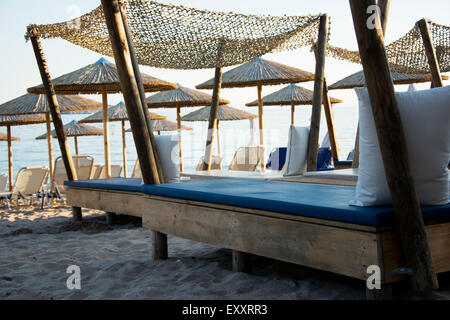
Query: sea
(233, 134)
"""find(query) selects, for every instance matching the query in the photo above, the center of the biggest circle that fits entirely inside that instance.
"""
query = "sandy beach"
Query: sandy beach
(37, 246)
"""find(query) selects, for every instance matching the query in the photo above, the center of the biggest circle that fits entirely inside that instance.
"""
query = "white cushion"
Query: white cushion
(425, 118)
(169, 156)
(297, 151)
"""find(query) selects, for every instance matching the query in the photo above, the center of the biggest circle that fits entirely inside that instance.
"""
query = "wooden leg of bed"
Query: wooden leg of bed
(77, 214)
(241, 262)
(159, 246)
(385, 293)
(111, 218)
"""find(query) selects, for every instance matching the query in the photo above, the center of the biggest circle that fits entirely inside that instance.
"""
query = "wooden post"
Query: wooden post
(413, 239)
(219, 151)
(77, 160)
(106, 134)
(50, 149)
(431, 53)
(313, 142)
(241, 261)
(124, 150)
(10, 158)
(55, 112)
(179, 136)
(330, 122)
(135, 104)
(140, 86)
(292, 113)
(355, 161)
(212, 125)
(261, 125)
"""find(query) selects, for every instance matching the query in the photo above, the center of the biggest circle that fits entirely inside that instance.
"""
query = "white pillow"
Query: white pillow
(297, 151)
(426, 122)
(168, 151)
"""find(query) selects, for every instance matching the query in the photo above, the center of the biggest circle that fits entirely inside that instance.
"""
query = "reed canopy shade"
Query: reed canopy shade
(4, 137)
(75, 129)
(358, 80)
(178, 37)
(96, 78)
(12, 120)
(178, 98)
(117, 113)
(166, 125)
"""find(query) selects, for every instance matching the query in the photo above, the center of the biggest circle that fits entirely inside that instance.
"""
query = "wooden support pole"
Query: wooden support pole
(292, 113)
(391, 138)
(212, 124)
(431, 53)
(261, 125)
(77, 160)
(134, 97)
(219, 151)
(10, 158)
(140, 86)
(50, 149)
(179, 136)
(313, 142)
(355, 161)
(106, 134)
(330, 122)
(241, 261)
(124, 150)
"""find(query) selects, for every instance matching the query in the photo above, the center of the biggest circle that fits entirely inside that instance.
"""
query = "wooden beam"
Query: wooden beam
(179, 136)
(77, 160)
(330, 122)
(138, 76)
(313, 142)
(106, 134)
(10, 158)
(241, 261)
(212, 124)
(430, 52)
(50, 149)
(384, 13)
(355, 161)
(292, 113)
(130, 91)
(413, 239)
(124, 150)
(261, 124)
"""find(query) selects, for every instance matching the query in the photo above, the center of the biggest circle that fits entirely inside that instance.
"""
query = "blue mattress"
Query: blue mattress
(118, 184)
(315, 201)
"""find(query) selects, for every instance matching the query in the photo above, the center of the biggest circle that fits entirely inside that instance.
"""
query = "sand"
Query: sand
(37, 247)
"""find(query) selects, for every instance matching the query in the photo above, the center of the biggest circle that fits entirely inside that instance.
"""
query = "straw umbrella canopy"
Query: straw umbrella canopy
(258, 73)
(166, 125)
(291, 95)
(178, 98)
(225, 113)
(358, 80)
(75, 130)
(117, 113)
(102, 78)
(29, 104)
(4, 137)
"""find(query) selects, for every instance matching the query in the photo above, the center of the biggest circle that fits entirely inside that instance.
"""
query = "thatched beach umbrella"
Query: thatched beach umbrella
(166, 125)
(102, 78)
(225, 113)
(178, 98)
(291, 95)
(117, 113)
(30, 104)
(358, 80)
(258, 73)
(75, 130)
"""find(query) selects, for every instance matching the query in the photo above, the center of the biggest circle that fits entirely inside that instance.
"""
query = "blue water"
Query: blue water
(234, 134)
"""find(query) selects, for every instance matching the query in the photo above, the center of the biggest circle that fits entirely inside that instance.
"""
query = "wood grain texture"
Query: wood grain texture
(430, 52)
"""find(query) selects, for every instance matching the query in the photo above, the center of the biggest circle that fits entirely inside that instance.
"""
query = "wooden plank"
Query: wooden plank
(342, 251)
(431, 53)
(330, 122)
(414, 244)
(313, 142)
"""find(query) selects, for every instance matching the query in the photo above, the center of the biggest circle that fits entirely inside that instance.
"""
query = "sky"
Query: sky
(19, 70)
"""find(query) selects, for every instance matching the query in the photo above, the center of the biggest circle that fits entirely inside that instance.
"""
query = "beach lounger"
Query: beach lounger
(116, 170)
(277, 159)
(247, 158)
(28, 185)
(3, 182)
(216, 163)
(96, 170)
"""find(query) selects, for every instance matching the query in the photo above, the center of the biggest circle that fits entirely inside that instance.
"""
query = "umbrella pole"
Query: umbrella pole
(75, 141)
(124, 150)
(330, 122)
(50, 148)
(218, 145)
(10, 160)
(179, 136)
(261, 125)
(292, 113)
(106, 134)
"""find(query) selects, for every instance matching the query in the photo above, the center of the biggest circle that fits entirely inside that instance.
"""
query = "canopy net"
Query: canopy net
(177, 37)
(407, 55)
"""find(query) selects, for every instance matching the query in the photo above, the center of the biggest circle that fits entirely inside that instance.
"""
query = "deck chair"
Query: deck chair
(96, 170)
(28, 185)
(247, 158)
(116, 170)
(277, 159)
(215, 165)
(3, 182)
